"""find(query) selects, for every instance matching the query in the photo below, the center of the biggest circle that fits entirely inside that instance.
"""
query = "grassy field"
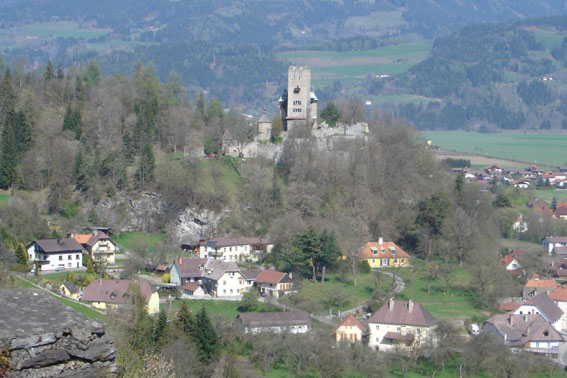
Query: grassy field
(226, 309)
(353, 295)
(546, 149)
(131, 240)
(550, 38)
(4, 197)
(328, 66)
(400, 99)
(547, 195)
(457, 304)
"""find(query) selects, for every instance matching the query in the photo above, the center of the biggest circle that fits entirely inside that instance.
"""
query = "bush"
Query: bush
(364, 267)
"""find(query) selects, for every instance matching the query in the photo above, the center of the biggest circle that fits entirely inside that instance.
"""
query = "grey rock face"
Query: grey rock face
(50, 339)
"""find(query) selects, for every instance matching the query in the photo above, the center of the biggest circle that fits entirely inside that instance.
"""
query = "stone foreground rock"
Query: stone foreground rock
(47, 338)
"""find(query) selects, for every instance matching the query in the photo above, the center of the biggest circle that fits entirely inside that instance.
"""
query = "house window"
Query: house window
(70, 257)
(224, 291)
(224, 282)
(69, 265)
(377, 327)
(77, 257)
(398, 329)
(402, 260)
(373, 261)
(60, 258)
(230, 291)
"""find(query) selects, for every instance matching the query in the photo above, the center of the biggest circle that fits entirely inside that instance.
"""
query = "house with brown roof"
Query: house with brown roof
(56, 254)
(350, 330)
(99, 246)
(193, 290)
(530, 332)
(235, 249)
(113, 294)
(400, 324)
(273, 283)
(536, 286)
(384, 254)
(274, 322)
(542, 304)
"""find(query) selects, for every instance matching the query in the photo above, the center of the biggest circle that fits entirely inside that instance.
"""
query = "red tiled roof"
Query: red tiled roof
(351, 321)
(509, 306)
(507, 260)
(542, 283)
(190, 286)
(559, 294)
(384, 250)
(270, 276)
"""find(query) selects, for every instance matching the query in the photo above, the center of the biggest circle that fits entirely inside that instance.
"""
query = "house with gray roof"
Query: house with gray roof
(235, 248)
(542, 305)
(56, 254)
(530, 332)
(399, 325)
(274, 322)
(217, 278)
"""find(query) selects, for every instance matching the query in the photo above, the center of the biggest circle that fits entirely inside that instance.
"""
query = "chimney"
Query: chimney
(511, 320)
(179, 260)
(410, 306)
(380, 240)
(100, 281)
(59, 241)
(391, 304)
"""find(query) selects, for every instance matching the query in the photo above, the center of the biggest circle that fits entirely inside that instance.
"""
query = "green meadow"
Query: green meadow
(545, 149)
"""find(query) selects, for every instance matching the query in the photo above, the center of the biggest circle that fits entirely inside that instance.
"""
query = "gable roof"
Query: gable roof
(264, 118)
(542, 283)
(96, 236)
(251, 274)
(556, 239)
(374, 250)
(509, 306)
(398, 312)
(70, 285)
(270, 276)
(191, 286)
(520, 329)
(559, 294)
(206, 268)
(81, 238)
(267, 319)
(190, 267)
(59, 245)
(350, 321)
(114, 291)
(507, 260)
(546, 306)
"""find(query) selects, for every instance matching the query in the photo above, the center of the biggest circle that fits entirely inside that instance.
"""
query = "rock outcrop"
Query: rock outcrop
(45, 338)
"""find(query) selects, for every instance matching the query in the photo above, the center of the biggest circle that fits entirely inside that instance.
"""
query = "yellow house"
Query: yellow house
(112, 294)
(350, 330)
(69, 289)
(384, 254)
(98, 245)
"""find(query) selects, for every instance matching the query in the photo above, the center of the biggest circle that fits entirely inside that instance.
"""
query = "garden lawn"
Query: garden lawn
(226, 309)
(547, 195)
(459, 303)
(4, 198)
(130, 240)
(353, 295)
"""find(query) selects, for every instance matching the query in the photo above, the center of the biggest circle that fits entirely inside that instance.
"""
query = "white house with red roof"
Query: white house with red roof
(235, 249)
(99, 246)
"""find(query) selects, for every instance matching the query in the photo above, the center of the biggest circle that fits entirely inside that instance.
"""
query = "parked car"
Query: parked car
(59, 269)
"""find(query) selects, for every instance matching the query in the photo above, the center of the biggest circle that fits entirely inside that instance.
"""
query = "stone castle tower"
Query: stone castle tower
(298, 104)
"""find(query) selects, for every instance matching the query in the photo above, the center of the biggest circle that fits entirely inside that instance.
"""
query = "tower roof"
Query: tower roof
(264, 119)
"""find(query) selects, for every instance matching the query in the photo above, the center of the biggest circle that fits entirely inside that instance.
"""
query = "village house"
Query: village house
(559, 296)
(536, 286)
(512, 265)
(529, 332)
(350, 330)
(113, 294)
(192, 290)
(400, 324)
(56, 254)
(521, 183)
(69, 289)
(250, 277)
(561, 212)
(217, 278)
(98, 245)
(541, 304)
(551, 242)
(274, 322)
(273, 283)
(384, 254)
(235, 249)
(520, 225)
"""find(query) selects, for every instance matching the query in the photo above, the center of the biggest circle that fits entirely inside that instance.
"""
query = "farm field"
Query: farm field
(328, 66)
(543, 149)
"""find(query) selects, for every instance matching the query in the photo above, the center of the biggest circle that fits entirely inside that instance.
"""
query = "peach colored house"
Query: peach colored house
(350, 330)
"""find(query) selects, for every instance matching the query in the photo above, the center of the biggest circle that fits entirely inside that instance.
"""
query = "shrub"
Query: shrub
(364, 267)
(165, 277)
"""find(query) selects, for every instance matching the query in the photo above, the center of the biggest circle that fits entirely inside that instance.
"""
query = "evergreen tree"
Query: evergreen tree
(92, 76)
(207, 339)
(277, 129)
(60, 73)
(81, 175)
(186, 322)
(49, 73)
(9, 155)
(330, 114)
(160, 329)
(73, 121)
(21, 254)
(554, 203)
(7, 96)
(145, 171)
